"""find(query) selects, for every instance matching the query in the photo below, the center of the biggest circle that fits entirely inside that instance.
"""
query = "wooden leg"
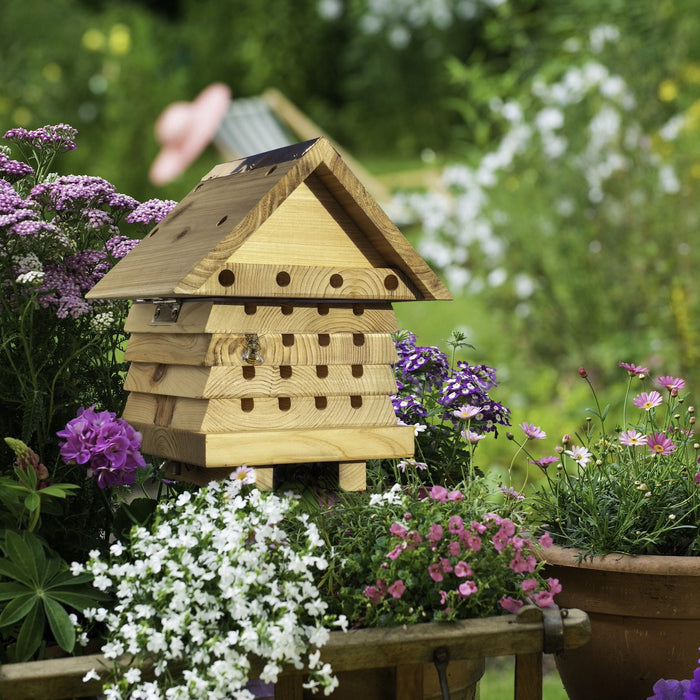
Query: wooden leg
(264, 477)
(409, 681)
(352, 476)
(528, 677)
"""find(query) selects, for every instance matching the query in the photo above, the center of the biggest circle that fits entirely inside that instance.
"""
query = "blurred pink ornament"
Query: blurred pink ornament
(185, 129)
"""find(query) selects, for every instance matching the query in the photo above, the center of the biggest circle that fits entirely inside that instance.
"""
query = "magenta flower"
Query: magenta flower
(673, 384)
(398, 530)
(633, 370)
(466, 412)
(510, 604)
(435, 571)
(529, 585)
(661, 445)
(466, 589)
(435, 533)
(546, 540)
(532, 432)
(438, 493)
(108, 445)
(471, 436)
(544, 462)
(462, 569)
(544, 599)
(632, 438)
(397, 589)
(648, 400)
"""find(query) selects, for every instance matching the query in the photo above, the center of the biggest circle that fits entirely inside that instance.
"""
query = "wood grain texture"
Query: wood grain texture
(227, 349)
(264, 447)
(180, 256)
(307, 282)
(228, 415)
(264, 317)
(255, 382)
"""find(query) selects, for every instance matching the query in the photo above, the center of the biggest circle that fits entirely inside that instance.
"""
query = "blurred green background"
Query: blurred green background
(544, 152)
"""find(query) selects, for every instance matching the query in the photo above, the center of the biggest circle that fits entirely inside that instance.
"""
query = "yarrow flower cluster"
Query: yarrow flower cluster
(633, 487)
(108, 446)
(216, 581)
(448, 403)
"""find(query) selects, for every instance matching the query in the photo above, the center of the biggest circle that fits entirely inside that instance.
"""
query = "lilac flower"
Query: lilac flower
(661, 445)
(632, 438)
(673, 384)
(669, 690)
(544, 462)
(14, 168)
(107, 445)
(633, 370)
(57, 137)
(151, 212)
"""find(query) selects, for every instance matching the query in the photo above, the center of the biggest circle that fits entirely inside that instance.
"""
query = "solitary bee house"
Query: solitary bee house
(261, 332)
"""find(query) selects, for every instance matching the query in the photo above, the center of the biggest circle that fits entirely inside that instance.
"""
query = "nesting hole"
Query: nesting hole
(182, 234)
(323, 309)
(321, 402)
(358, 309)
(321, 371)
(324, 340)
(271, 170)
(284, 403)
(248, 372)
(356, 401)
(283, 278)
(391, 282)
(358, 339)
(153, 233)
(247, 405)
(285, 371)
(250, 309)
(287, 309)
(226, 278)
(287, 339)
(222, 220)
(357, 371)
(336, 281)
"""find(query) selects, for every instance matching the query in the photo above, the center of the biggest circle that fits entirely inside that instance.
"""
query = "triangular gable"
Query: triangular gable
(215, 226)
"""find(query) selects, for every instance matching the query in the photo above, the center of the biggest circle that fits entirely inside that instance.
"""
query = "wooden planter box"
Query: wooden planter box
(407, 649)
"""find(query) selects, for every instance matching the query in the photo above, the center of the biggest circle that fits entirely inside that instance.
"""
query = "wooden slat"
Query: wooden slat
(265, 380)
(358, 649)
(227, 349)
(264, 447)
(283, 413)
(287, 281)
(264, 317)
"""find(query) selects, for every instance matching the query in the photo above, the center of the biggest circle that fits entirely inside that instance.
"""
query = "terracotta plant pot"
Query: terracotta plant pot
(645, 621)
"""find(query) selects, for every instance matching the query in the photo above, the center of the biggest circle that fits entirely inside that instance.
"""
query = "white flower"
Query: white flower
(91, 675)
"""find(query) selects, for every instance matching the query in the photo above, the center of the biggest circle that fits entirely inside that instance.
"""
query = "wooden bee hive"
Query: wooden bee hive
(262, 329)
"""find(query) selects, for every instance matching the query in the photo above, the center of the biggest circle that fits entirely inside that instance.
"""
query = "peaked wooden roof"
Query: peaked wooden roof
(214, 228)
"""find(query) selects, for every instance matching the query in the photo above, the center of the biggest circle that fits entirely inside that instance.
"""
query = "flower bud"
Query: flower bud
(582, 372)
(565, 439)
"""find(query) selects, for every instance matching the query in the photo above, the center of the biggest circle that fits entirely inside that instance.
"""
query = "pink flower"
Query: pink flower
(435, 571)
(455, 495)
(632, 438)
(648, 400)
(375, 593)
(397, 589)
(554, 585)
(529, 585)
(546, 540)
(580, 455)
(544, 599)
(466, 412)
(532, 432)
(435, 533)
(462, 569)
(471, 436)
(673, 384)
(446, 566)
(472, 541)
(398, 530)
(544, 462)
(661, 445)
(466, 589)
(394, 554)
(523, 565)
(455, 525)
(510, 604)
(454, 548)
(438, 493)
(633, 370)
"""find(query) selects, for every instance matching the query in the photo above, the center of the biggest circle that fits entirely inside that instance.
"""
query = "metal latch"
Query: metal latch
(166, 311)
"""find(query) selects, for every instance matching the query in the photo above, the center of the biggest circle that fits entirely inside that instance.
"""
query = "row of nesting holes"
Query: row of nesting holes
(324, 339)
(286, 371)
(227, 278)
(285, 403)
(288, 309)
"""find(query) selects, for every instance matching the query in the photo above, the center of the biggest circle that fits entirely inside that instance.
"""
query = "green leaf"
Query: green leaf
(77, 599)
(32, 501)
(18, 608)
(58, 490)
(60, 624)
(31, 633)
(11, 590)
(10, 570)
(27, 551)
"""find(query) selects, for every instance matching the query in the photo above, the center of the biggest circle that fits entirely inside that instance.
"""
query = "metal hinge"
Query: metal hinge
(166, 311)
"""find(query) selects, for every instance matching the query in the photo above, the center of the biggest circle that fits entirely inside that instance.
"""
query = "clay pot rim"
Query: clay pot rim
(654, 564)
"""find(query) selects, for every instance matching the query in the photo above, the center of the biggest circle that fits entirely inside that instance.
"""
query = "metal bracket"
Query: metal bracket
(552, 623)
(166, 311)
(441, 657)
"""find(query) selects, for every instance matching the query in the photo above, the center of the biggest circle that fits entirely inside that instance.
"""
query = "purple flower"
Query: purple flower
(669, 690)
(151, 211)
(532, 432)
(633, 370)
(56, 137)
(107, 445)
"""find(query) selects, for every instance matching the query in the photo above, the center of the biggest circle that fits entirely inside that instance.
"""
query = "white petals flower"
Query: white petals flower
(236, 587)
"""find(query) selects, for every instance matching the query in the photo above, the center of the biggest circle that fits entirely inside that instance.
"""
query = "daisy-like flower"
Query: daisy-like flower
(581, 455)
(673, 384)
(632, 438)
(466, 412)
(471, 436)
(544, 462)
(633, 370)
(532, 432)
(648, 400)
(661, 445)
